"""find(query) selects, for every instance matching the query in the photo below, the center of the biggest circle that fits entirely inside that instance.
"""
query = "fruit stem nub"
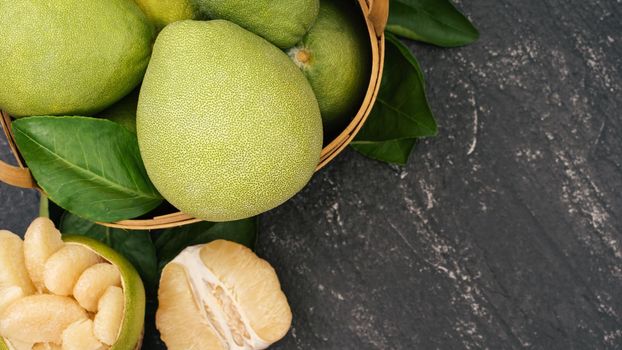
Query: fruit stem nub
(303, 56)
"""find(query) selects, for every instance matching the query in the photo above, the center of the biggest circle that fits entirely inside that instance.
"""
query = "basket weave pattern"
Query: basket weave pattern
(377, 12)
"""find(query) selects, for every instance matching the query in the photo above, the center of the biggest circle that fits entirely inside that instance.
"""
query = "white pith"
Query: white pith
(204, 285)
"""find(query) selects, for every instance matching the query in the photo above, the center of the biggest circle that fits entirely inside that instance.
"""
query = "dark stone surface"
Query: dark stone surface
(503, 232)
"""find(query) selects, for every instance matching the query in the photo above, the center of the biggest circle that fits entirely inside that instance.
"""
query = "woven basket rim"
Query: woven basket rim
(375, 19)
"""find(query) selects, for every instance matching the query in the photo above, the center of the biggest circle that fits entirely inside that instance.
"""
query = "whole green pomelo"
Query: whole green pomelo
(335, 55)
(164, 12)
(282, 22)
(124, 111)
(228, 127)
(70, 57)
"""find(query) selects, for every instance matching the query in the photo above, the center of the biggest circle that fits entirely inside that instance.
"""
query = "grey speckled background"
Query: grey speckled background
(504, 232)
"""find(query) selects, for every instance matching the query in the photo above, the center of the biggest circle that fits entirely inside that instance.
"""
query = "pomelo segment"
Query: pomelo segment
(13, 271)
(47, 346)
(108, 320)
(64, 267)
(19, 345)
(254, 282)
(42, 240)
(8, 295)
(93, 283)
(40, 318)
(180, 319)
(79, 336)
(225, 293)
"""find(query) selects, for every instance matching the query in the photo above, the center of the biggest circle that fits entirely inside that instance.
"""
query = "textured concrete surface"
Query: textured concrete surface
(504, 232)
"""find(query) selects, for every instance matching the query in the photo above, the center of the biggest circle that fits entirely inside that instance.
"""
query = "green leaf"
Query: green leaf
(436, 22)
(401, 112)
(170, 242)
(135, 246)
(91, 167)
(394, 151)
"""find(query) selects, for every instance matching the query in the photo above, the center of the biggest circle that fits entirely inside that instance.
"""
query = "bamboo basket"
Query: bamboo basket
(377, 13)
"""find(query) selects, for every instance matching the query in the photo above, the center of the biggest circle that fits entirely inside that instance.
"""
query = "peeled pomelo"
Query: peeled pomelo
(50, 322)
(93, 283)
(63, 268)
(282, 22)
(79, 336)
(41, 240)
(108, 319)
(335, 56)
(46, 346)
(70, 57)
(40, 318)
(8, 295)
(220, 296)
(13, 272)
(228, 126)
(18, 345)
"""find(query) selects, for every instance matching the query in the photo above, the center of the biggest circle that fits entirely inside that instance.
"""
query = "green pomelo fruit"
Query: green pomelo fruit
(70, 57)
(335, 56)
(228, 126)
(164, 12)
(123, 112)
(282, 22)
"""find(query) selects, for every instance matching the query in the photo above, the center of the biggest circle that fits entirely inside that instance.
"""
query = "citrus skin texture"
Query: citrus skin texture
(335, 56)
(282, 22)
(164, 12)
(123, 112)
(228, 127)
(219, 296)
(70, 57)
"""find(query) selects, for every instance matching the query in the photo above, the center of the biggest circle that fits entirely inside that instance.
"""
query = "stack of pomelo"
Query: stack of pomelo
(228, 125)
(231, 102)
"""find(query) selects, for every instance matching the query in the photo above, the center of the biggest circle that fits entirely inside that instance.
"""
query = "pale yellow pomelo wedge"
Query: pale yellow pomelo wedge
(47, 346)
(180, 319)
(40, 318)
(224, 292)
(64, 267)
(42, 240)
(93, 283)
(13, 271)
(110, 315)
(19, 345)
(8, 295)
(79, 336)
